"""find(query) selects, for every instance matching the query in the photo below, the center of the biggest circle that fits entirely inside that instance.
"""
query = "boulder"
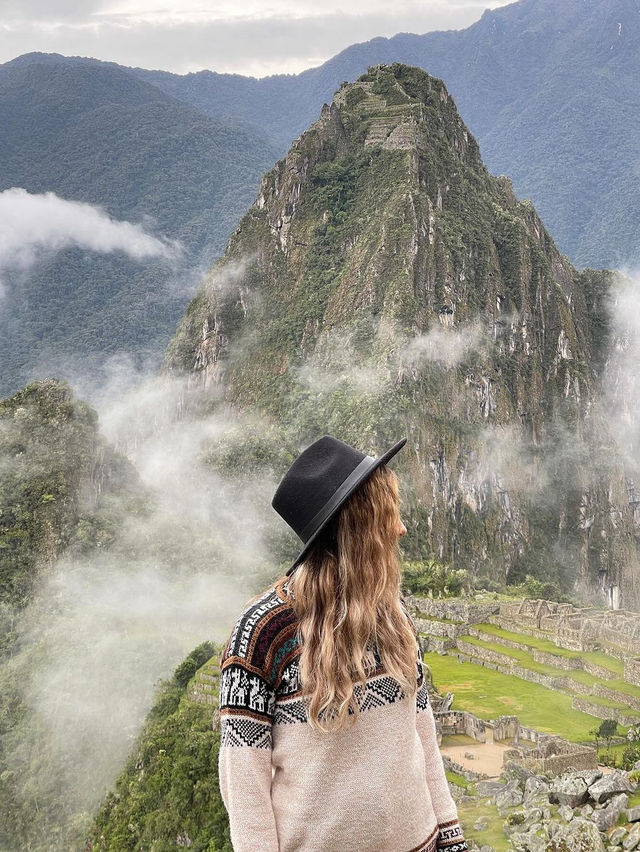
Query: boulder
(605, 818)
(580, 835)
(533, 815)
(632, 839)
(535, 788)
(566, 813)
(633, 814)
(610, 785)
(617, 836)
(489, 789)
(510, 797)
(528, 841)
(569, 790)
(589, 775)
(514, 770)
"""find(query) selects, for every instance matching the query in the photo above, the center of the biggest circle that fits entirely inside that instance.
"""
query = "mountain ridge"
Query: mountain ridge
(106, 138)
(524, 76)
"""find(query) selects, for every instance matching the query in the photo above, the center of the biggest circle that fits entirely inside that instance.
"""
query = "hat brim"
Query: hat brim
(365, 475)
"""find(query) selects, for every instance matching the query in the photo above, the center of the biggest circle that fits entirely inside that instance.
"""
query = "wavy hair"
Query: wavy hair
(347, 598)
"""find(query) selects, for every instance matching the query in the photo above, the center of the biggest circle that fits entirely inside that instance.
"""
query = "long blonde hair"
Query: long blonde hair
(347, 598)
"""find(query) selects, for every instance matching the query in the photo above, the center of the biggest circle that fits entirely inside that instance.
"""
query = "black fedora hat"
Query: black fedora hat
(318, 482)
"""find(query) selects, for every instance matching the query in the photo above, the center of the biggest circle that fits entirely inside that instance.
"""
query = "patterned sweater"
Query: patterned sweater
(376, 787)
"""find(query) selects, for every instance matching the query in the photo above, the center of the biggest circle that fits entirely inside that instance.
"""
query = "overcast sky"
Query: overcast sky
(253, 37)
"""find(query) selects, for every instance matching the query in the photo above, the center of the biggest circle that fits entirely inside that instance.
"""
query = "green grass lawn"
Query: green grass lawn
(526, 660)
(455, 778)
(489, 694)
(616, 748)
(493, 835)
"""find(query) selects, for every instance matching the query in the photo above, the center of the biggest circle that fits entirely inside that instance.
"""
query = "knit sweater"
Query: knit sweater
(378, 786)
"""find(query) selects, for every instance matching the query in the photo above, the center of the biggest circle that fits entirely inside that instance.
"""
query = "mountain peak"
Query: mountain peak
(399, 107)
(384, 277)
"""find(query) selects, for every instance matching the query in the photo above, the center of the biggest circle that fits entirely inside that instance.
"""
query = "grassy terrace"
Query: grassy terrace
(525, 659)
(599, 658)
(489, 694)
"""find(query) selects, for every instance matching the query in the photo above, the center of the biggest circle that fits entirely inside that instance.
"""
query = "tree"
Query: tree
(607, 731)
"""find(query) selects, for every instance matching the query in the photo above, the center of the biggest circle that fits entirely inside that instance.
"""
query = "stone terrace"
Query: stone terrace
(591, 655)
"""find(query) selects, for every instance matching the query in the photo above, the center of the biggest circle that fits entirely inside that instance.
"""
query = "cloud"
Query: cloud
(55, 10)
(337, 361)
(103, 627)
(621, 388)
(32, 225)
(447, 346)
(243, 38)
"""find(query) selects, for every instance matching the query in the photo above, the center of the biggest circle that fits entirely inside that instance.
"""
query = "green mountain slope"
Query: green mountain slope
(167, 795)
(384, 283)
(95, 133)
(547, 89)
(109, 573)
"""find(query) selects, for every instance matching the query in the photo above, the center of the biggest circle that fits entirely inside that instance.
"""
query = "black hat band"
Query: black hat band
(331, 504)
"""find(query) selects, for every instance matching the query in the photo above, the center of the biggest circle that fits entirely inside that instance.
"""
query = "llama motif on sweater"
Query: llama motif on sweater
(376, 786)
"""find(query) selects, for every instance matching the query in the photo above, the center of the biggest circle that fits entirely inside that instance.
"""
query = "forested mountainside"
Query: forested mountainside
(385, 284)
(95, 133)
(57, 474)
(168, 791)
(119, 553)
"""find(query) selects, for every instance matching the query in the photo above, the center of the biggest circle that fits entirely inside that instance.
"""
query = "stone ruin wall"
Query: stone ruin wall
(506, 728)
(602, 711)
(486, 657)
(467, 774)
(542, 753)
(549, 659)
(576, 629)
(632, 671)
(441, 629)
(460, 722)
(533, 750)
(437, 645)
(453, 609)
(556, 764)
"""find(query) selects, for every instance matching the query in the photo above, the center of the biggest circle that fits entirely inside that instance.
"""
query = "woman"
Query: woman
(328, 741)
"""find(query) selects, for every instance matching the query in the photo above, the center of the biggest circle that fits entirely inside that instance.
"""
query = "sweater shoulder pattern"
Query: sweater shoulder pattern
(259, 679)
(263, 638)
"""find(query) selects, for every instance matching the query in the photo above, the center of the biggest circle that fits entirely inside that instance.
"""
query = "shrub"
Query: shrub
(434, 579)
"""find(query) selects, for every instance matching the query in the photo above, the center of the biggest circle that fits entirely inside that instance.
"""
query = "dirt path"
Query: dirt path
(487, 757)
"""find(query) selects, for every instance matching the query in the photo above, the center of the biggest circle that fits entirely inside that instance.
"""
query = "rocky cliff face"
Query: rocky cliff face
(383, 284)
